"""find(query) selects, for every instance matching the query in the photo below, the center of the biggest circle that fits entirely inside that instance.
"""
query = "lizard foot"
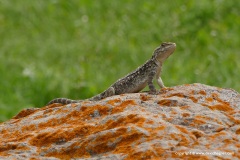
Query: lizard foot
(154, 92)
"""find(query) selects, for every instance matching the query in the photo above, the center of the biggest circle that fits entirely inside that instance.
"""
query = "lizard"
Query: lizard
(136, 80)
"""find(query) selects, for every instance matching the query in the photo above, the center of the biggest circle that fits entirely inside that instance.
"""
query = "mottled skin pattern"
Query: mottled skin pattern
(136, 80)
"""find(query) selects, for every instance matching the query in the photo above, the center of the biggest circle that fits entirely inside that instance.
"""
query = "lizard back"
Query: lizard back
(136, 80)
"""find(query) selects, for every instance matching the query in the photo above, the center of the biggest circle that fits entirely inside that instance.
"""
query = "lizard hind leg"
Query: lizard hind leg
(107, 93)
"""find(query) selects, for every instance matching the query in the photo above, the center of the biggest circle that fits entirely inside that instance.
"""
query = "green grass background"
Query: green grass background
(77, 48)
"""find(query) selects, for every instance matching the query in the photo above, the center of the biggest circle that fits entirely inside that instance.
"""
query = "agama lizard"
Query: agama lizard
(136, 80)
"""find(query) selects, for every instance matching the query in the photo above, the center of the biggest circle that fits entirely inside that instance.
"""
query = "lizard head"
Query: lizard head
(162, 52)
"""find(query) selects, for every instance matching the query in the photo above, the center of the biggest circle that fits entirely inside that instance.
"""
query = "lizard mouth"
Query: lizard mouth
(173, 47)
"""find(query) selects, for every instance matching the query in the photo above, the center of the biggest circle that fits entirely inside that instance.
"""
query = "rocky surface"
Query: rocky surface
(192, 121)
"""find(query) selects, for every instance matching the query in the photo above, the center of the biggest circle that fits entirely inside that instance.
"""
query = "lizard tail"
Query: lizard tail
(63, 101)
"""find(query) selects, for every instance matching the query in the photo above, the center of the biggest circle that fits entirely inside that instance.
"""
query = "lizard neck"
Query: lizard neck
(158, 63)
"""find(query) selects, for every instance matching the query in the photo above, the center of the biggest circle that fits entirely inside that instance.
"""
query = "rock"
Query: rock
(192, 121)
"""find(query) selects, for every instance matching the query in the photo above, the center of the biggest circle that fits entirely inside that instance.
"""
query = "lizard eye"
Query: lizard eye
(164, 44)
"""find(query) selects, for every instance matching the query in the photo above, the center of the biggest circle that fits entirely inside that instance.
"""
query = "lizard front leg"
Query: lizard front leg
(160, 82)
(150, 82)
(159, 79)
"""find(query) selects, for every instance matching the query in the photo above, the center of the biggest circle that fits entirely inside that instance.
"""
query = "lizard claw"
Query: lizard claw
(155, 92)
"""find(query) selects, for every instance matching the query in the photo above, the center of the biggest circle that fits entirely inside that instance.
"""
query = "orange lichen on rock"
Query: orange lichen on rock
(185, 107)
(114, 101)
(202, 92)
(195, 100)
(197, 133)
(238, 131)
(209, 99)
(176, 94)
(198, 122)
(167, 102)
(144, 97)
(221, 107)
(123, 105)
(175, 124)
(233, 119)
(185, 114)
(25, 113)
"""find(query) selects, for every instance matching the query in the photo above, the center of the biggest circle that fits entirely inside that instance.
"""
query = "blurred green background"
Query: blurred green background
(77, 48)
